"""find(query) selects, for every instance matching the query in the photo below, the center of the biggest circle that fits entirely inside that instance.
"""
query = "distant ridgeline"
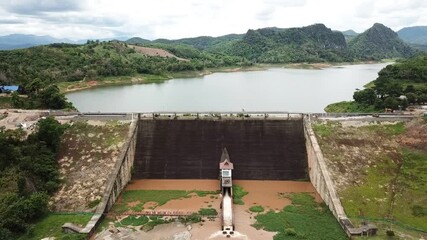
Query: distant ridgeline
(61, 62)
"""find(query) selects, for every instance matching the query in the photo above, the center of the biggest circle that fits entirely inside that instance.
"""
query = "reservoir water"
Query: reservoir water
(276, 89)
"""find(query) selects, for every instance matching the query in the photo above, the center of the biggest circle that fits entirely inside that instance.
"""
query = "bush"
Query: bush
(390, 233)
(290, 232)
(256, 208)
(208, 212)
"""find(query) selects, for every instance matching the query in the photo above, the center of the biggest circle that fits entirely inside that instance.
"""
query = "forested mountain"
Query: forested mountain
(349, 35)
(314, 43)
(414, 35)
(200, 43)
(379, 42)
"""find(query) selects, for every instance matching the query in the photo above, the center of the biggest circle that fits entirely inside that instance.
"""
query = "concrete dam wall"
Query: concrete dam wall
(191, 149)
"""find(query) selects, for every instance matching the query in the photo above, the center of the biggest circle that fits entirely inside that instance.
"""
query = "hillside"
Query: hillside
(314, 43)
(349, 35)
(415, 35)
(379, 42)
(96, 60)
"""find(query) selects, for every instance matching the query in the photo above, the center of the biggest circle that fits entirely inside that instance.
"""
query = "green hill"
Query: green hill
(314, 43)
(379, 42)
(137, 40)
(95, 60)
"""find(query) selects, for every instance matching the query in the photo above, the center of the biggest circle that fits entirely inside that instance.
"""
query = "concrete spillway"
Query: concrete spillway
(190, 149)
(227, 212)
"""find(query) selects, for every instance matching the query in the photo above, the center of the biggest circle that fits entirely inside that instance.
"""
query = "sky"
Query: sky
(174, 19)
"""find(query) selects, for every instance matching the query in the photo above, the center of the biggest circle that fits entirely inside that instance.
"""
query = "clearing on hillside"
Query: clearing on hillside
(155, 52)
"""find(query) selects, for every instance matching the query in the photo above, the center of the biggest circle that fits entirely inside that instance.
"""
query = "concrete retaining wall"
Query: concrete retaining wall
(117, 181)
(321, 179)
(261, 149)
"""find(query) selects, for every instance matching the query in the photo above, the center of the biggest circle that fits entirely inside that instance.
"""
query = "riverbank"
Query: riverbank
(66, 87)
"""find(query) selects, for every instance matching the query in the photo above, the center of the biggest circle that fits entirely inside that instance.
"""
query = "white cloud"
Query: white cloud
(173, 19)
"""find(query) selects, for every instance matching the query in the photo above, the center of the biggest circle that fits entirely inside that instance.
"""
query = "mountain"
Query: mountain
(137, 40)
(414, 35)
(349, 35)
(15, 41)
(379, 42)
(200, 43)
(314, 43)
(203, 42)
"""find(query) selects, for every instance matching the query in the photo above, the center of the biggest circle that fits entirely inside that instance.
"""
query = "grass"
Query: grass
(303, 219)
(146, 223)
(205, 193)
(325, 129)
(238, 194)
(349, 107)
(6, 102)
(208, 212)
(134, 221)
(389, 129)
(256, 209)
(144, 196)
(50, 226)
(390, 186)
(158, 196)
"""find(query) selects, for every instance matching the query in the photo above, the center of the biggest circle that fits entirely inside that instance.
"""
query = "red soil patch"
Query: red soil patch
(155, 52)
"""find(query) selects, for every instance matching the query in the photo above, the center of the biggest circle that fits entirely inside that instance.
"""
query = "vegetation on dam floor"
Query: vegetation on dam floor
(136, 200)
(303, 219)
(380, 172)
(50, 226)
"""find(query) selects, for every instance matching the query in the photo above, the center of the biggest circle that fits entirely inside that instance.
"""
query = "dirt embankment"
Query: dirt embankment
(87, 155)
(379, 171)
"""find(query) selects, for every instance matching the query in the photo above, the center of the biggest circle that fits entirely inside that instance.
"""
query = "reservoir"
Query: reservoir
(275, 89)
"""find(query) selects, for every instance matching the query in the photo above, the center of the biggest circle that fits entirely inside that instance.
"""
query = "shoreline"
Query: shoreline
(68, 87)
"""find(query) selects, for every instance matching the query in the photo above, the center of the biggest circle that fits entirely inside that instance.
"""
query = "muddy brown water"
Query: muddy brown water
(268, 194)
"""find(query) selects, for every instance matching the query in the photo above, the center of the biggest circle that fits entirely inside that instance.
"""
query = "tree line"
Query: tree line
(397, 86)
(28, 175)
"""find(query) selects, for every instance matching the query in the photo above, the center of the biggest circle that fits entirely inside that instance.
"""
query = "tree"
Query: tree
(411, 97)
(366, 96)
(51, 97)
(391, 102)
(410, 89)
(49, 131)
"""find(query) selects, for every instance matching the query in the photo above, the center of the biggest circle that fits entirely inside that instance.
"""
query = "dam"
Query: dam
(190, 149)
(275, 147)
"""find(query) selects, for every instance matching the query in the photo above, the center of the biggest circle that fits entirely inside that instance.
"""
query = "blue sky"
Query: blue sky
(172, 19)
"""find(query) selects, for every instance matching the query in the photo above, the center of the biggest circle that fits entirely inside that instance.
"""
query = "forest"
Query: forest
(28, 175)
